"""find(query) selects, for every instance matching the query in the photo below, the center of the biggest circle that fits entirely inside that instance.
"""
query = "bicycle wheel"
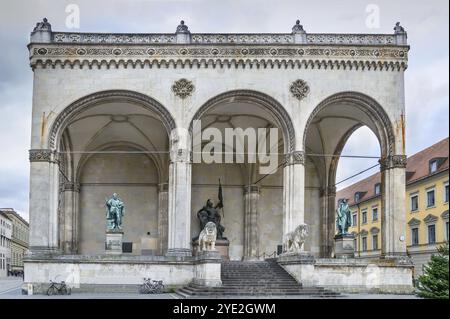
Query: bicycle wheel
(63, 291)
(51, 291)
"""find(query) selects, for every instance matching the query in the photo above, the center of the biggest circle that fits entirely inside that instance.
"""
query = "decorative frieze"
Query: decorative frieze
(219, 51)
(392, 161)
(299, 89)
(183, 88)
(41, 155)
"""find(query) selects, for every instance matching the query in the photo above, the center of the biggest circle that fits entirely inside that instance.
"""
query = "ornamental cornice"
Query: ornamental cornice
(258, 56)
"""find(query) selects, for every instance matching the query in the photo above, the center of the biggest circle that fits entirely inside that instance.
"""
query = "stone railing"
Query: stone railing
(200, 38)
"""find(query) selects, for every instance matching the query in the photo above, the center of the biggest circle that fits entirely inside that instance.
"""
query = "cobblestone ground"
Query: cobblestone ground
(11, 288)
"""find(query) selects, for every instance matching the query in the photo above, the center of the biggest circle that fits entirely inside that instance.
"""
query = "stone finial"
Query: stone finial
(182, 28)
(297, 27)
(398, 28)
(43, 26)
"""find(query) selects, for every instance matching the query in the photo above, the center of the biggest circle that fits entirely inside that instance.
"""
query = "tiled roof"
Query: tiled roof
(417, 168)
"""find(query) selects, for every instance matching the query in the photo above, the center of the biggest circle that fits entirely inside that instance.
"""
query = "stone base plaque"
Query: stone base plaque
(222, 246)
(114, 242)
(344, 246)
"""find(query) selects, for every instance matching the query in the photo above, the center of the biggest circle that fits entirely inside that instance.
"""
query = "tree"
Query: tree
(434, 281)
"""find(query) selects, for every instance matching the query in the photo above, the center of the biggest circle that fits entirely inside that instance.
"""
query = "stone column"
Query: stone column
(393, 218)
(328, 200)
(179, 243)
(293, 192)
(251, 232)
(71, 193)
(44, 190)
(163, 198)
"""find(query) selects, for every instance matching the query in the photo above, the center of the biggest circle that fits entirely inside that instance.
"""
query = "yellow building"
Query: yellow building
(19, 239)
(427, 193)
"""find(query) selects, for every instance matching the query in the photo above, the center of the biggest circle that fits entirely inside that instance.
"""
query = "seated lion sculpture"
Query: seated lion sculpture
(296, 239)
(207, 237)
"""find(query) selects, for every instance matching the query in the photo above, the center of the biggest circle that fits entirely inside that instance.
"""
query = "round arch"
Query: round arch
(368, 105)
(97, 98)
(261, 99)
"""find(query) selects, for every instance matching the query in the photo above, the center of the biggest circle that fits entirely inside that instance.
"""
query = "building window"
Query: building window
(356, 197)
(431, 200)
(354, 220)
(433, 166)
(375, 242)
(377, 189)
(446, 230)
(374, 214)
(431, 234)
(415, 236)
(364, 244)
(414, 202)
(364, 217)
(446, 192)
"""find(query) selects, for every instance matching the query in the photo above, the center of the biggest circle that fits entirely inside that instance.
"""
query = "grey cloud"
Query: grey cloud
(426, 80)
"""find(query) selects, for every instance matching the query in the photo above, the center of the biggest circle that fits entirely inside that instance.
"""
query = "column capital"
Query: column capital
(71, 187)
(328, 191)
(296, 157)
(163, 187)
(43, 155)
(181, 155)
(249, 189)
(392, 161)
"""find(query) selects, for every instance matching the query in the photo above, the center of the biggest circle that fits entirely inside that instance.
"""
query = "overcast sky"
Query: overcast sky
(427, 80)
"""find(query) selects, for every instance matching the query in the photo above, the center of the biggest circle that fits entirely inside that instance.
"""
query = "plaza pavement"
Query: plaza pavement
(11, 288)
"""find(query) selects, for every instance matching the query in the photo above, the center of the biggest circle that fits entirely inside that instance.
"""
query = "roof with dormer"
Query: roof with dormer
(417, 169)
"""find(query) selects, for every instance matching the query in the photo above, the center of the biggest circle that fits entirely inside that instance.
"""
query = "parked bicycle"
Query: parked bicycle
(151, 286)
(58, 289)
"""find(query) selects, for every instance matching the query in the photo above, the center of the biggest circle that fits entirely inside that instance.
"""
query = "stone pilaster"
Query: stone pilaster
(251, 231)
(393, 219)
(293, 191)
(71, 193)
(179, 207)
(328, 200)
(163, 198)
(44, 191)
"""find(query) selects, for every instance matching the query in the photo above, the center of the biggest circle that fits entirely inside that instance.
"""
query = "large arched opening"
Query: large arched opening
(112, 142)
(328, 128)
(253, 199)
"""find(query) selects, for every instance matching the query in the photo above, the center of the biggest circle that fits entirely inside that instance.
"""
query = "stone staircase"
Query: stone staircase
(254, 278)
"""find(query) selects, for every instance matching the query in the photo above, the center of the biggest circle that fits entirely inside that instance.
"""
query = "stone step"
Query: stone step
(264, 278)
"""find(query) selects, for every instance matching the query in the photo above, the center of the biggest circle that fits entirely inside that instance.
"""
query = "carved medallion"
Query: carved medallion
(299, 89)
(183, 88)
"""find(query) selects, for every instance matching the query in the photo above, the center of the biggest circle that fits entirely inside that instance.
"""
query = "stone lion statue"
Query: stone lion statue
(207, 237)
(296, 239)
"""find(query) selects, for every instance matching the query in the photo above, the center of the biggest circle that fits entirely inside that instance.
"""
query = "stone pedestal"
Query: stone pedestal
(222, 246)
(207, 270)
(344, 246)
(114, 242)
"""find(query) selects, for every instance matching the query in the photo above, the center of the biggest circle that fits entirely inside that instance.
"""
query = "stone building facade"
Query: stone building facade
(111, 112)
(5, 244)
(426, 207)
(19, 239)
